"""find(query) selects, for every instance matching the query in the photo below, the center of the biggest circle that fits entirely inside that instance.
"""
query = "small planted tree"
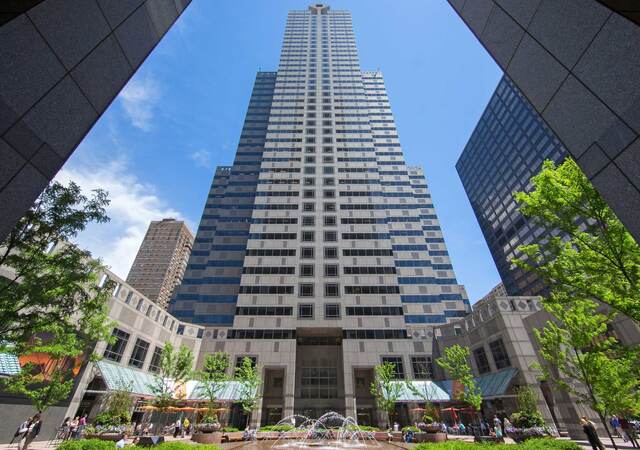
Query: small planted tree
(174, 371)
(52, 310)
(527, 414)
(425, 392)
(456, 362)
(585, 361)
(213, 378)
(118, 408)
(248, 378)
(386, 388)
(593, 256)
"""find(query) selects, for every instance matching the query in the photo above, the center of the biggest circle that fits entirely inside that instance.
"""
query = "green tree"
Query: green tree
(588, 363)
(51, 307)
(593, 256)
(425, 391)
(213, 378)
(386, 388)
(43, 392)
(174, 371)
(119, 405)
(248, 378)
(527, 414)
(456, 362)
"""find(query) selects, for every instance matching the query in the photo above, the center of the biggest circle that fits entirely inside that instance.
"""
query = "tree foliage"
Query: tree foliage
(527, 414)
(588, 253)
(583, 359)
(119, 406)
(386, 388)
(248, 378)
(174, 371)
(43, 392)
(51, 307)
(213, 377)
(456, 362)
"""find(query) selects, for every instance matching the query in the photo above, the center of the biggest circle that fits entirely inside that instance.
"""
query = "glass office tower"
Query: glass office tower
(507, 147)
(319, 253)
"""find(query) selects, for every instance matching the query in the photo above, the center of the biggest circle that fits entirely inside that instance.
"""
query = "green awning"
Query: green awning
(9, 364)
(137, 382)
(430, 389)
(117, 377)
(496, 384)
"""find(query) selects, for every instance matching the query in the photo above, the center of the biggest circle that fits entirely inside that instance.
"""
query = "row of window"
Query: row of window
(264, 310)
(115, 351)
(499, 353)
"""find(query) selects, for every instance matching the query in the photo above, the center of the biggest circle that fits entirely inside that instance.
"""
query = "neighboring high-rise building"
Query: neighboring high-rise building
(507, 147)
(161, 260)
(577, 62)
(319, 253)
(63, 62)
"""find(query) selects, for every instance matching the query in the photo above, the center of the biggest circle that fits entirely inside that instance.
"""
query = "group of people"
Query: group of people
(182, 427)
(28, 431)
(625, 430)
(72, 428)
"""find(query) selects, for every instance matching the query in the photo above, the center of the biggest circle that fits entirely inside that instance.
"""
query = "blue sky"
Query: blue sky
(156, 146)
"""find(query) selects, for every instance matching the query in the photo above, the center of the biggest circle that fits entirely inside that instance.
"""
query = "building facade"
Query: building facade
(500, 334)
(319, 253)
(161, 260)
(141, 329)
(507, 147)
(577, 63)
(63, 62)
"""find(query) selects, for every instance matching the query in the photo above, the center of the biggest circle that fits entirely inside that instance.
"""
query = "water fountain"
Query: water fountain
(331, 431)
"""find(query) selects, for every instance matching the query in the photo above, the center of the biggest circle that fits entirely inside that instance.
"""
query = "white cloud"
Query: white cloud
(133, 206)
(202, 158)
(138, 99)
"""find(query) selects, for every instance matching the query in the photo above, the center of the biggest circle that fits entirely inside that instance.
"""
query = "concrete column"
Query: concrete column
(289, 390)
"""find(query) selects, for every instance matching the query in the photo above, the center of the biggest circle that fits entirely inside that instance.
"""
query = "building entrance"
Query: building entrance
(319, 372)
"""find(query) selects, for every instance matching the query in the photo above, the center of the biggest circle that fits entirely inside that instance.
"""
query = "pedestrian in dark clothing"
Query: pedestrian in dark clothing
(627, 427)
(32, 433)
(590, 430)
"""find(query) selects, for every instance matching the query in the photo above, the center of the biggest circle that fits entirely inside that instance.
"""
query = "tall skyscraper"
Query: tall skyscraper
(161, 260)
(507, 147)
(319, 253)
(577, 62)
(63, 62)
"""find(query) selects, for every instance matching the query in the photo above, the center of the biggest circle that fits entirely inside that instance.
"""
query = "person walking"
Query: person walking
(186, 427)
(34, 430)
(628, 429)
(178, 428)
(20, 431)
(590, 430)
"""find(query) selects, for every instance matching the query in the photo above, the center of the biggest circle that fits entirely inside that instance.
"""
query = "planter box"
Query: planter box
(232, 436)
(381, 435)
(115, 437)
(434, 437)
(207, 438)
(488, 439)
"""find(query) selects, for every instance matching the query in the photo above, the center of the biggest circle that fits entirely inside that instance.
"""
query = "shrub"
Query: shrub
(283, 427)
(181, 446)
(528, 419)
(108, 418)
(362, 428)
(410, 428)
(531, 444)
(230, 429)
(87, 444)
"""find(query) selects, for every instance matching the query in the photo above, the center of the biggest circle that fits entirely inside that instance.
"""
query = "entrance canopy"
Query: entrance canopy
(491, 385)
(429, 389)
(137, 382)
